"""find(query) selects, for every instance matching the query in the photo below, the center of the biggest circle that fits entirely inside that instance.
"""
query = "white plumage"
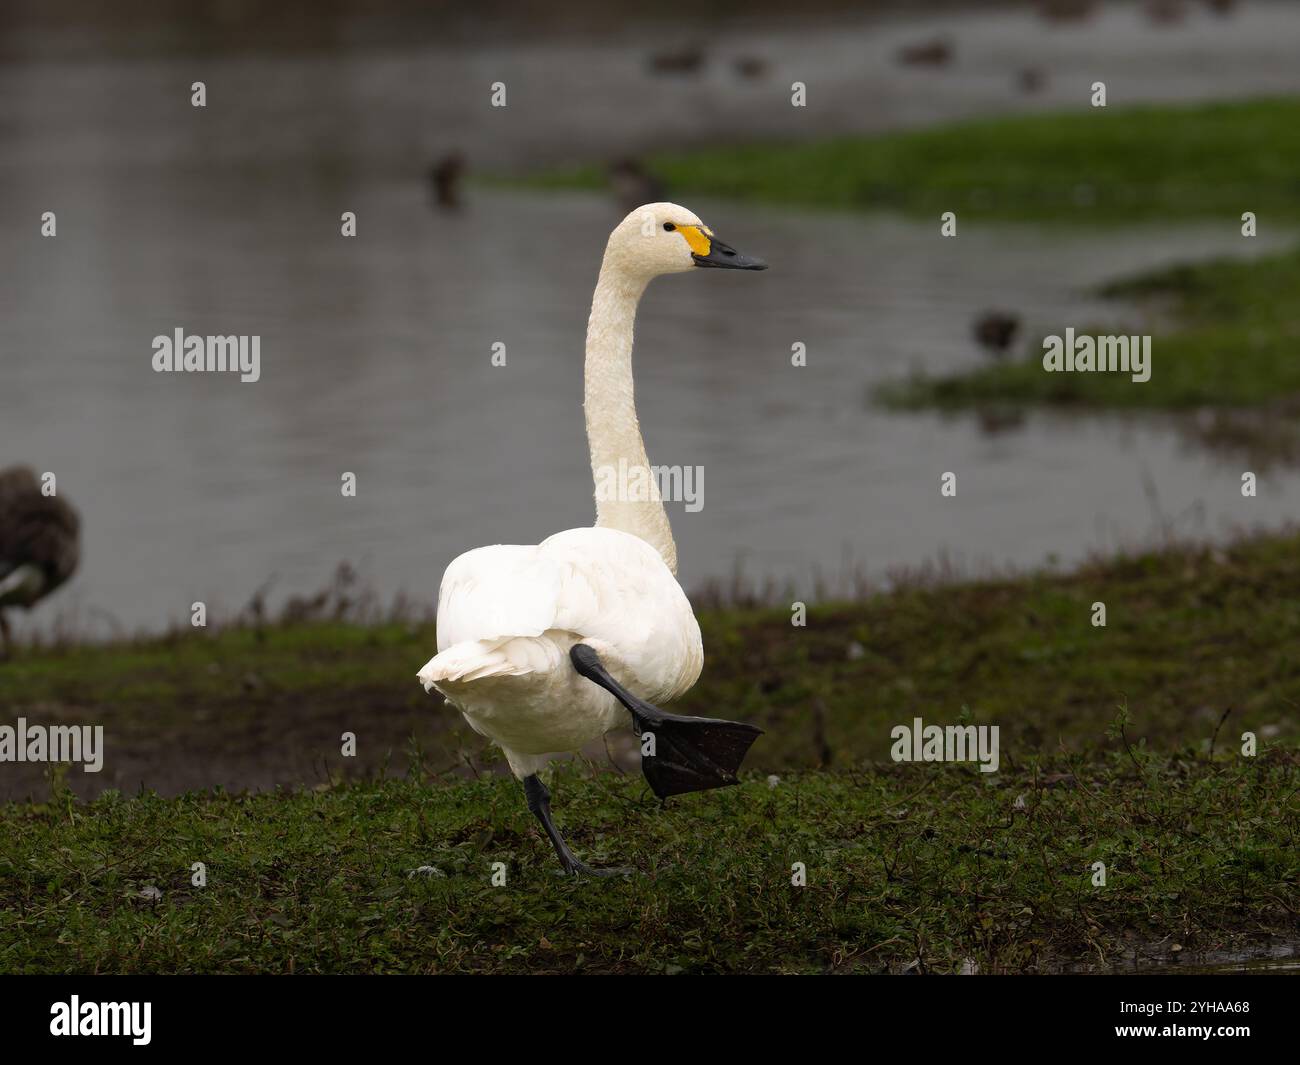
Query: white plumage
(508, 615)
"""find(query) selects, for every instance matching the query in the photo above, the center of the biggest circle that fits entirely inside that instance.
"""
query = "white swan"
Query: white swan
(544, 648)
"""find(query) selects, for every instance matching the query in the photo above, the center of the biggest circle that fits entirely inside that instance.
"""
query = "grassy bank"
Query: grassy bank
(1116, 163)
(931, 868)
(1190, 633)
(939, 863)
(1234, 345)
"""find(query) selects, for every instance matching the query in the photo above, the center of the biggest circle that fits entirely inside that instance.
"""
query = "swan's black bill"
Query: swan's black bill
(726, 257)
(690, 753)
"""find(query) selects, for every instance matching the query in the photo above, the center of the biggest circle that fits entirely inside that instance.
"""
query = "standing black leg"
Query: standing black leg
(539, 802)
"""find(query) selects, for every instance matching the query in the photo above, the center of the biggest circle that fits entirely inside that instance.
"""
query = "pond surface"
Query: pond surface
(376, 350)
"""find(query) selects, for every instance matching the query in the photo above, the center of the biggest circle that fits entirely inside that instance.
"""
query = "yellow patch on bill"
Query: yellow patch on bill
(699, 243)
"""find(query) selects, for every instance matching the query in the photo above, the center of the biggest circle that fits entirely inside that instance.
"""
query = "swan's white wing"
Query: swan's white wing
(497, 592)
(617, 589)
(599, 584)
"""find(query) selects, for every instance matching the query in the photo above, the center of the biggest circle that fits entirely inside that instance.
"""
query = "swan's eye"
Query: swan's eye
(669, 227)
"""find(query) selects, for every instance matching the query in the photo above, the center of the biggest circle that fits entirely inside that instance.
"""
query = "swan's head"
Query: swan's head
(663, 238)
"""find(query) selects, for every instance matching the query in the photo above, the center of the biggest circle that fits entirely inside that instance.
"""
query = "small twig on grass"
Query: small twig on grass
(1216, 731)
(823, 749)
(465, 757)
(1119, 728)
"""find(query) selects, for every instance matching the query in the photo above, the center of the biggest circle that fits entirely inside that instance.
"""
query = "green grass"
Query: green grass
(902, 863)
(235, 672)
(1117, 163)
(1234, 345)
(1190, 632)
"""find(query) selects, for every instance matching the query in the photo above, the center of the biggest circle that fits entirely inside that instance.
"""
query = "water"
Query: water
(588, 90)
(376, 351)
(1261, 959)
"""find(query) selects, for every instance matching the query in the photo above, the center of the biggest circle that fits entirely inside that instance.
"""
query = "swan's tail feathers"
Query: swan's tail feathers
(464, 663)
(687, 753)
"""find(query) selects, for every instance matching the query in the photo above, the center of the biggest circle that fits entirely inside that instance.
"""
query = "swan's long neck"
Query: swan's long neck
(627, 496)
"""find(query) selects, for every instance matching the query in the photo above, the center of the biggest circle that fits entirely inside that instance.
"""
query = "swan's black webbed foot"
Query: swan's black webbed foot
(690, 753)
(539, 802)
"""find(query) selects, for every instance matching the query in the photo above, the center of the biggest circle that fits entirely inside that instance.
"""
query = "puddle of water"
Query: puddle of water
(1257, 967)
(1278, 959)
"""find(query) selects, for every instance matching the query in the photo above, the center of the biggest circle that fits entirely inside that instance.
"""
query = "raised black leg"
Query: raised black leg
(6, 637)
(690, 753)
(539, 802)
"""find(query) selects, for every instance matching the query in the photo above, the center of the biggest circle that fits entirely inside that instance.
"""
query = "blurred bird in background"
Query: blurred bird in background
(632, 184)
(40, 543)
(933, 53)
(444, 180)
(995, 331)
